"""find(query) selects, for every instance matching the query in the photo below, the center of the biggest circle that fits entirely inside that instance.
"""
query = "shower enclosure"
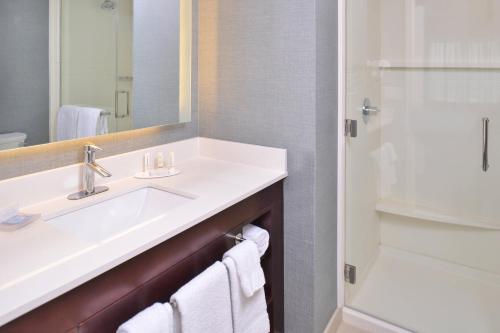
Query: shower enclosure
(422, 163)
(96, 57)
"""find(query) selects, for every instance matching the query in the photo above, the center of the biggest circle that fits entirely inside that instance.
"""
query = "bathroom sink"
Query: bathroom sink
(108, 218)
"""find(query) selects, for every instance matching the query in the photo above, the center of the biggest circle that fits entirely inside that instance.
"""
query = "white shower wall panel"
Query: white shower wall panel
(433, 121)
(471, 247)
(432, 116)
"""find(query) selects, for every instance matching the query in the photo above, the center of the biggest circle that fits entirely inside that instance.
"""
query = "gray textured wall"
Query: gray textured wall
(325, 270)
(156, 62)
(24, 68)
(260, 64)
(38, 158)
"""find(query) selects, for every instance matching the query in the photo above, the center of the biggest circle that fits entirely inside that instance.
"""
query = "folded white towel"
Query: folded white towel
(88, 122)
(67, 122)
(247, 260)
(249, 313)
(204, 304)
(158, 318)
(258, 235)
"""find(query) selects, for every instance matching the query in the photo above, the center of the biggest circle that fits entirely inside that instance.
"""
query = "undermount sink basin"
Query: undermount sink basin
(107, 218)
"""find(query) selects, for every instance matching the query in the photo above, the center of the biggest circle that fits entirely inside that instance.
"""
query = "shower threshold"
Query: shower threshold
(428, 295)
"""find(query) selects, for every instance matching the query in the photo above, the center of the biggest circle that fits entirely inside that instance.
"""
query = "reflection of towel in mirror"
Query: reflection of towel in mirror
(102, 125)
(67, 122)
(89, 120)
(385, 158)
(78, 122)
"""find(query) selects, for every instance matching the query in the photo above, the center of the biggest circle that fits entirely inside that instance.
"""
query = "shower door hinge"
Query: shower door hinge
(350, 273)
(351, 128)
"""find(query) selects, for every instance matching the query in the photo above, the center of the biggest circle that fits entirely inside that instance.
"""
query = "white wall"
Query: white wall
(463, 30)
(445, 80)
(472, 247)
(433, 117)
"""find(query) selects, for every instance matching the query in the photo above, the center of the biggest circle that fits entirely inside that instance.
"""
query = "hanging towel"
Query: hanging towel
(88, 121)
(204, 304)
(249, 313)
(67, 122)
(247, 260)
(258, 235)
(158, 318)
(102, 125)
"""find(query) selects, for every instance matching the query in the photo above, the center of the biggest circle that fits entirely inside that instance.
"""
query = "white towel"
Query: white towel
(102, 125)
(158, 318)
(67, 122)
(249, 313)
(88, 121)
(258, 235)
(204, 304)
(247, 260)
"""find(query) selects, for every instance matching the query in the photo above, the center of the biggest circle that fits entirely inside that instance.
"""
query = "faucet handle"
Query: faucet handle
(90, 147)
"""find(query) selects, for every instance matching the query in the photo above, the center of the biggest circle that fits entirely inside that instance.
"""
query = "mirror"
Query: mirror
(77, 68)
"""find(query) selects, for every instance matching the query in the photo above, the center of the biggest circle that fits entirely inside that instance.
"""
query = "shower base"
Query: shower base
(429, 295)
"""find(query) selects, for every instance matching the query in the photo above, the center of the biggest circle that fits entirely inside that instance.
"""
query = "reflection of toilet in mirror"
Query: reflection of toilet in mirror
(12, 140)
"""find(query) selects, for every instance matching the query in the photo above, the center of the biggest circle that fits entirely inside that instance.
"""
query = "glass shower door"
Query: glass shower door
(423, 164)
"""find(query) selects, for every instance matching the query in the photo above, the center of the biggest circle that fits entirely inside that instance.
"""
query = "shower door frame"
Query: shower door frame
(348, 314)
(54, 65)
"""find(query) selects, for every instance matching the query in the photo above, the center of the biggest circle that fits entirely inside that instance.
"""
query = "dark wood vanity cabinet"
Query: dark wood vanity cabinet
(103, 303)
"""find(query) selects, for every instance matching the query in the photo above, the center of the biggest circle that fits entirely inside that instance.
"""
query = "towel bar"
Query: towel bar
(238, 238)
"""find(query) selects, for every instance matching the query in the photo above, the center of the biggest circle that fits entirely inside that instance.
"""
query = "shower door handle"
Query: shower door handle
(368, 109)
(117, 106)
(486, 125)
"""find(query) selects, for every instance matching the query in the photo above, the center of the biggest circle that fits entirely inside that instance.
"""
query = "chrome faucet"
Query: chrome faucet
(90, 168)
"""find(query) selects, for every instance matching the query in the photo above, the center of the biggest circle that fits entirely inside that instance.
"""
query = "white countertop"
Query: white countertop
(40, 262)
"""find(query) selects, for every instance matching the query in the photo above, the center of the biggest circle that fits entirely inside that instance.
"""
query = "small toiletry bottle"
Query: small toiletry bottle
(171, 156)
(146, 163)
(160, 162)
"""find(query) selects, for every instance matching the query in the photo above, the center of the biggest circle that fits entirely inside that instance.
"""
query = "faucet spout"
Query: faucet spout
(99, 169)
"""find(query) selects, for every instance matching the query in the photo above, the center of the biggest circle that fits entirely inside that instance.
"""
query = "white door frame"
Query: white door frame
(341, 158)
(54, 65)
